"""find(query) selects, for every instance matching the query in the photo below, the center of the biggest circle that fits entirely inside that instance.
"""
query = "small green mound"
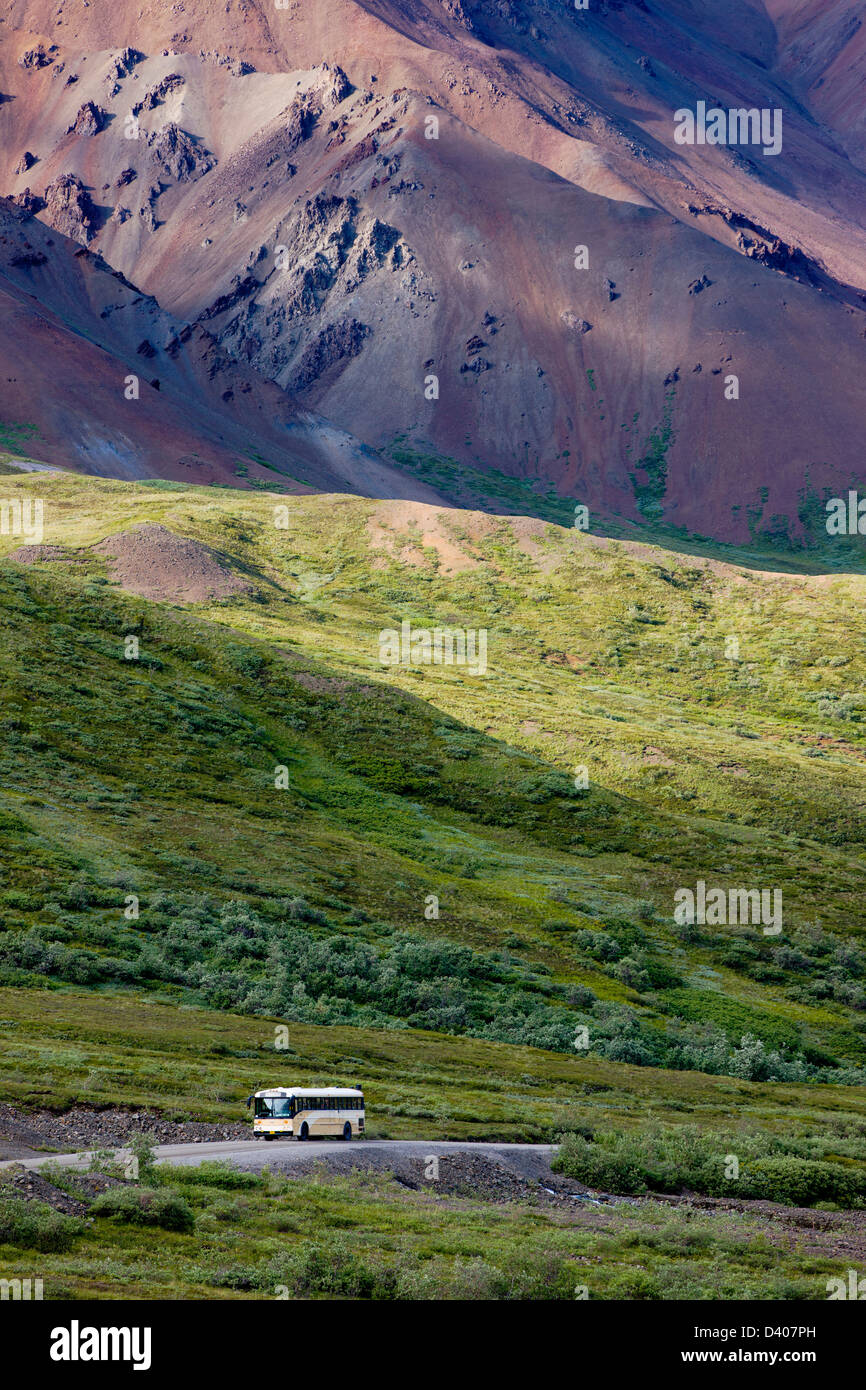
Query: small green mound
(216, 1174)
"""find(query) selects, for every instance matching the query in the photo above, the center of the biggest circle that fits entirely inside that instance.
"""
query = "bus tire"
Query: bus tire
(305, 1133)
(347, 1131)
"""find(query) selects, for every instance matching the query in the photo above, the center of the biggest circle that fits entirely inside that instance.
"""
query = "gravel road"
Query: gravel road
(527, 1160)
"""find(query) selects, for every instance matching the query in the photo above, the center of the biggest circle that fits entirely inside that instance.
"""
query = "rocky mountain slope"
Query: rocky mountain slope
(118, 387)
(467, 230)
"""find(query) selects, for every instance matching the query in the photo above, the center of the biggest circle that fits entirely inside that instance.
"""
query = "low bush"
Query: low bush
(334, 1270)
(801, 1182)
(36, 1226)
(144, 1206)
(660, 1159)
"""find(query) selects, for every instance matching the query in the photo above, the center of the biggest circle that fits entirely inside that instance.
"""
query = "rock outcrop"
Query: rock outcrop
(38, 57)
(89, 121)
(69, 209)
(178, 156)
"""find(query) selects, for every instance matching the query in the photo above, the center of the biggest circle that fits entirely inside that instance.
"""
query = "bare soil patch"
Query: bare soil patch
(427, 529)
(31, 554)
(153, 562)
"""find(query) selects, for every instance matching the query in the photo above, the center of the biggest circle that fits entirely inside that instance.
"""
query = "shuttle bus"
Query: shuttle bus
(307, 1112)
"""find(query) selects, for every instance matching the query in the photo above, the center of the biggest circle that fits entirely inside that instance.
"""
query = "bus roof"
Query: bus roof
(310, 1091)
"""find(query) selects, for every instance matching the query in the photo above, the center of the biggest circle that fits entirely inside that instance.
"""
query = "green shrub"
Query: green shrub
(802, 1182)
(144, 1206)
(142, 1148)
(36, 1226)
(614, 1162)
(328, 1269)
(634, 1286)
(660, 1159)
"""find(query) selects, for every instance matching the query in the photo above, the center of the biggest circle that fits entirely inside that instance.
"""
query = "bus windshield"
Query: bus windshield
(280, 1107)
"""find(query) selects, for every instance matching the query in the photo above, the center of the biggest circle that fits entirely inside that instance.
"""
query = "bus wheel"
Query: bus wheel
(347, 1131)
(305, 1133)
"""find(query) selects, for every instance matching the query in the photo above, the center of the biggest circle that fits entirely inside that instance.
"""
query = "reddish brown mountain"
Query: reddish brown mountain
(283, 197)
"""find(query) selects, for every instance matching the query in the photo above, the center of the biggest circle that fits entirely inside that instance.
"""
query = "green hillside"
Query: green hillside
(160, 777)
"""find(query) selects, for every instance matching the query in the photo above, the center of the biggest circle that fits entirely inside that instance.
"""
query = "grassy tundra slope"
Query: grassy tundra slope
(286, 816)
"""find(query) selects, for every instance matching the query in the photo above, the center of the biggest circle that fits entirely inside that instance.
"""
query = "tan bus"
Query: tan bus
(307, 1113)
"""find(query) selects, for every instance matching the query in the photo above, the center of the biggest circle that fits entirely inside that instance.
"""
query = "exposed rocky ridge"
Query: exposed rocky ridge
(318, 258)
(334, 346)
(67, 318)
(157, 94)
